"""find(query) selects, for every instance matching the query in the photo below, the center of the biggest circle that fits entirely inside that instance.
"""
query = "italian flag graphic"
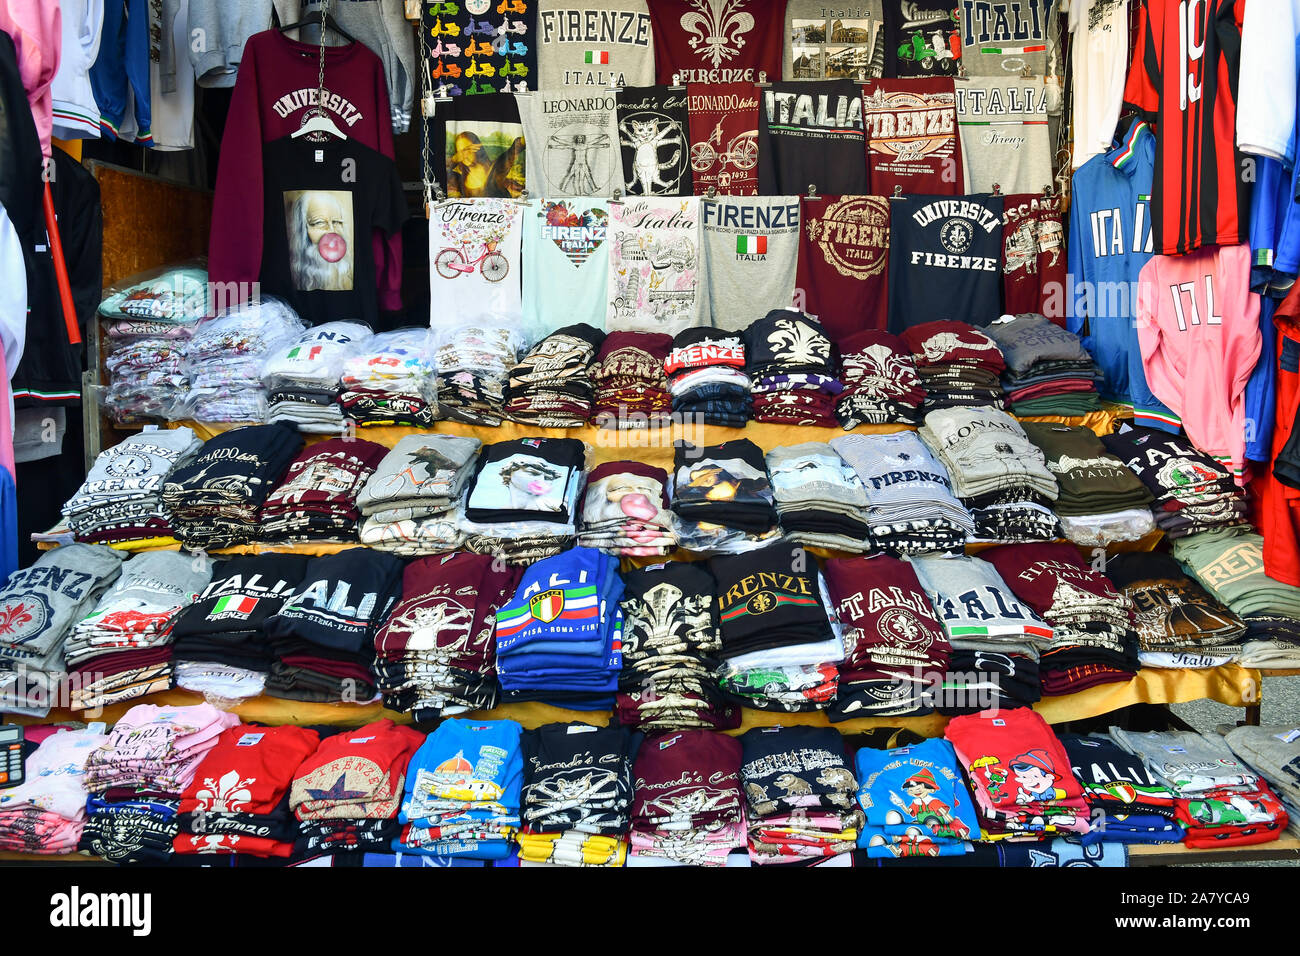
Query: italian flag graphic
(1012, 50)
(596, 56)
(751, 245)
(235, 604)
(297, 351)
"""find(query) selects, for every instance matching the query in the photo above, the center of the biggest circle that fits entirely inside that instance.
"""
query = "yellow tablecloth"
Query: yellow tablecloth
(1230, 684)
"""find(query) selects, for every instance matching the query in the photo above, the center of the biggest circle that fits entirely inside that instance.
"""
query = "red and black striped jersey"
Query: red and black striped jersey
(1183, 79)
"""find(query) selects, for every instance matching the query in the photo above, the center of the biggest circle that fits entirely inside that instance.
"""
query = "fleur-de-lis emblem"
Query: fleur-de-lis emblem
(718, 28)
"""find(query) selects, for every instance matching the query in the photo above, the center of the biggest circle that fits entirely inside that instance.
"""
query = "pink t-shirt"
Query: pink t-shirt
(1198, 327)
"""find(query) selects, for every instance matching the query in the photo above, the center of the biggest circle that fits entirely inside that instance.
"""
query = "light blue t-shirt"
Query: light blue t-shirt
(566, 264)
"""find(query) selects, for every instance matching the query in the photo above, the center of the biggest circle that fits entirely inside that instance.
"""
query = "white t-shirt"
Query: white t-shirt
(1266, 88)
(1100, 56)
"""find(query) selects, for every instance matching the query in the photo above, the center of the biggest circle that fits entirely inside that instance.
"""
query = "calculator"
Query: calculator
(11, 755)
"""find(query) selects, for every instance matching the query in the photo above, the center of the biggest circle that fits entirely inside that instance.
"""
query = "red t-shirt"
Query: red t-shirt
(721, 41)
(724, 137)
(249, 770)
(1033, 256)
(843, 272)
(912, 136)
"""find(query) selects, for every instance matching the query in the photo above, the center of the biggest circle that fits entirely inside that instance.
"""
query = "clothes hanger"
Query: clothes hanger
(322, 18)
(318, 119)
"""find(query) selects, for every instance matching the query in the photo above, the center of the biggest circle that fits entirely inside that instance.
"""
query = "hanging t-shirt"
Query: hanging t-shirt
(946, 260)
(811, 133)
(1099, 54)
(594, 45)
(474, 260)
(574, 144)
(654, 260)
(652, 131)
(323, 203)
(724, 137)
(480, 47)
(751, 250)
(824, 42)
(921, 38)
(1033, 256)
(844, 263)
(1002, 39)
(477, 148)
(912, 136)
(566, 264)
(1004, 135)
(715, 41)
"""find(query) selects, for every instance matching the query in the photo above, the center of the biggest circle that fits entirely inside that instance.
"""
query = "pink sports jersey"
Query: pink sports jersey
(1198, 326)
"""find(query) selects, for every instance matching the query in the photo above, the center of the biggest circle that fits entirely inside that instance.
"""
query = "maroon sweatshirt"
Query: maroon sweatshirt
(277, 85)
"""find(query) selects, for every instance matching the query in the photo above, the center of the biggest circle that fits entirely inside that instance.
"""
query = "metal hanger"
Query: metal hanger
(319, 119)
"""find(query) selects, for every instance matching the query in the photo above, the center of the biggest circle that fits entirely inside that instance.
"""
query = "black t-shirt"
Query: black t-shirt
(770, 597)
(342, 599)
(945, 260)
(654, 135)
(243, 594)
(323, 203)
(527, 479)
(811, 133)
(921, 38)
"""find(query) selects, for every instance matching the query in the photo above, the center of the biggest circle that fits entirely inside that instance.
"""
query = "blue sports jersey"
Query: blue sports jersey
(1110, 241)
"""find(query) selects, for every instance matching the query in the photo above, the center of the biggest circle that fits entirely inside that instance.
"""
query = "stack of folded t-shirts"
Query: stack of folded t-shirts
(121, 498)
(1020, 775)
(794, 369)
(146, 371)
(1101, 500)
(474, 362)
(1093, 636)
(915, 802)
(410, 504)
(40, 605)
(881, 384)
(895, 647)
(1178, 623)
(147, 325)
(800, 794)
(323, 636)
(820, 499)
(706, 377)
(302, 380)
(318, 497)
(911, 508)
(780, 650)
(1231, 567)
(559, 639)
(523, 502)
(722, 496)
(625, 510)
(688, 808)
(46, 813)
(996, 640)
(1049, 372)
(136, 779)
(122, 649)
(1127, 803)
(238, 801)
(1192, 491)
(631, 386)
(347, 794)
(670, 645)
(551, 387)
(435, 654)
(997, 472)
(959, 365)
(1218, 798)
(577, 794)
(224, 360)
(463, 791)
(221, 647)
(392, 381)
(1273, 752)
(215, 500)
